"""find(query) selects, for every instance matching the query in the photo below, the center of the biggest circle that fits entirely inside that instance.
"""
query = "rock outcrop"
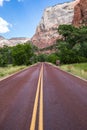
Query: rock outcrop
(80, 13)
(46, 33)
(12, 41)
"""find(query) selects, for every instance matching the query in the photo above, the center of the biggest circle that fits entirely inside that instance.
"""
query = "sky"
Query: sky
(19, 18)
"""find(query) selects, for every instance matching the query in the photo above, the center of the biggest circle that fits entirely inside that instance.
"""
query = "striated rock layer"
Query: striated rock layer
(80, 13)
(46, 32)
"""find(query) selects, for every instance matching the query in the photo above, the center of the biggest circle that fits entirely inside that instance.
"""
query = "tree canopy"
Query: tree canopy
(73, 47)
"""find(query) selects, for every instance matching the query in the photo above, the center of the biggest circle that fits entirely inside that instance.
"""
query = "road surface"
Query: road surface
(43, 97)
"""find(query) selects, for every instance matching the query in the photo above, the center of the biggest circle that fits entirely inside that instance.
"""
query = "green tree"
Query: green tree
(52, 58)
(5, 56)
(70, 34)
(18, 55)
(42, 57)
(23, 54)
(73, 47)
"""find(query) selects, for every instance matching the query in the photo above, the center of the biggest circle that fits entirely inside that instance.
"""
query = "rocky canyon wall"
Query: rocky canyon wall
(46, 32)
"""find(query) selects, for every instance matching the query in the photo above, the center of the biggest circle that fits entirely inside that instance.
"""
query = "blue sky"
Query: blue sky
(19, 18)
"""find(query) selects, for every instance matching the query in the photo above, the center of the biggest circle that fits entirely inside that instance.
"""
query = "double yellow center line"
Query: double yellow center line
(39, 92)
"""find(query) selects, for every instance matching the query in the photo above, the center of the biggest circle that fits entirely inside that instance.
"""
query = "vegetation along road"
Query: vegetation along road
(43, 97)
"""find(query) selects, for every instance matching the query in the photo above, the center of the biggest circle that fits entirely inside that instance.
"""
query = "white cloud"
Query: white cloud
(2, 1)
(4, 26)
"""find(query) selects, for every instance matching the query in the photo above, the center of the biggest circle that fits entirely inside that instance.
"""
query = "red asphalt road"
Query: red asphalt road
(64, 100)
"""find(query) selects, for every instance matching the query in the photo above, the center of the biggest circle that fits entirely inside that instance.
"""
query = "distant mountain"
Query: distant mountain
(20, 40)
(1, 37)
(46, 32)
(4, 41)
(13, 41)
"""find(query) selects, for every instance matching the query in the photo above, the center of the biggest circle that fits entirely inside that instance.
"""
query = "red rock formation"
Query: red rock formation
(80, 13)
(46, 38)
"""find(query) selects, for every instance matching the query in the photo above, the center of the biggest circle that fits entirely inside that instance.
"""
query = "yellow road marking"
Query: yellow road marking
(33, 120)
(40, 127)
(39, 89)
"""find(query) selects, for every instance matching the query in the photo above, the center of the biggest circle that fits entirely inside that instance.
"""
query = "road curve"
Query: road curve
(57, 99)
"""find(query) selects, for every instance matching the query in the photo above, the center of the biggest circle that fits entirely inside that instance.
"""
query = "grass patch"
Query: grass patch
(76, 69)
(5, 71)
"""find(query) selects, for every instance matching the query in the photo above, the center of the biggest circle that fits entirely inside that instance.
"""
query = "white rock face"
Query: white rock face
(46, 32)
(56, 15)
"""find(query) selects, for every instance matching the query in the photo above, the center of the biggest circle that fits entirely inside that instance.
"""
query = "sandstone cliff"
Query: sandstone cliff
(46, 32)
(80, 13)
